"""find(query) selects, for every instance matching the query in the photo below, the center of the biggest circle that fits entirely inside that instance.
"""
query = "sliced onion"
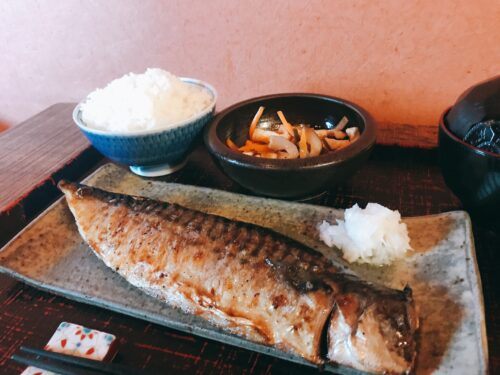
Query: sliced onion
(284, 133)
(263, 135)
(278, 143)
(352, 133)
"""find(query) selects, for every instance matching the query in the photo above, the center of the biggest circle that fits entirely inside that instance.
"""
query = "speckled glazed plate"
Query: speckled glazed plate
(442, 269)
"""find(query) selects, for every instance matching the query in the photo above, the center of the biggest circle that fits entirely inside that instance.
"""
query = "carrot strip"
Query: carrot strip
(322, 133)
(231, 144)
(288, 127)
(335, 144)
(303, 151)
(270, 155)
(292, 141)
(255, 121)
(255, 147)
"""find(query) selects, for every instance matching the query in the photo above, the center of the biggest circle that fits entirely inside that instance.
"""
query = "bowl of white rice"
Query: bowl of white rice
(147, 121)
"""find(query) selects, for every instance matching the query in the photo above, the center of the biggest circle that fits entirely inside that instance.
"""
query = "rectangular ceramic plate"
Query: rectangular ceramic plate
(442, 269)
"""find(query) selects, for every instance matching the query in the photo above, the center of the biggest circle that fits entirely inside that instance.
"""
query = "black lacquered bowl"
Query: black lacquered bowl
(295, 178)
(471, 173)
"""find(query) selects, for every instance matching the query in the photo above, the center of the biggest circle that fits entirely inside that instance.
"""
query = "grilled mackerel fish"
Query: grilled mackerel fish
(248, 280)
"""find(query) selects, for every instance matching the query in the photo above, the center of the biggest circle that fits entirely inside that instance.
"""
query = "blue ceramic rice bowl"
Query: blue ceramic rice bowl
(151, 152)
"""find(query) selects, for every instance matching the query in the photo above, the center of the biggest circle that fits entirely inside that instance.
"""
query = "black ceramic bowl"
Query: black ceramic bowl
(471, 173)
(297, 178)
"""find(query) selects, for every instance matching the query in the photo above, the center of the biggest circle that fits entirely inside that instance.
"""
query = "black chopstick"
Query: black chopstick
(56, 367)
(70, 365)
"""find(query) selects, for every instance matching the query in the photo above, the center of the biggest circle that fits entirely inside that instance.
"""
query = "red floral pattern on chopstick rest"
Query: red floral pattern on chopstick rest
(74, 339)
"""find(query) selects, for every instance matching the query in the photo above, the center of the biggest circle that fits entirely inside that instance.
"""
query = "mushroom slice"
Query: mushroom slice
(278, 143)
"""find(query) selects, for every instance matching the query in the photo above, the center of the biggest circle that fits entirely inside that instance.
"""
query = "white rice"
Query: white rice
(372, 235)
(135, 102)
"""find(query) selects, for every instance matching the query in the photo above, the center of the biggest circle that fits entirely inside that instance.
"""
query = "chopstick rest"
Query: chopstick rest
(76, 340)
(72, 365)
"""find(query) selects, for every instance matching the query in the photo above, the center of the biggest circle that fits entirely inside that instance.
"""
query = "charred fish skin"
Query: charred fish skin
(224, 271)
(248, 280)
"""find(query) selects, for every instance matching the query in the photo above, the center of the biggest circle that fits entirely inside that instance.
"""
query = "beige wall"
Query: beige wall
(403, 60)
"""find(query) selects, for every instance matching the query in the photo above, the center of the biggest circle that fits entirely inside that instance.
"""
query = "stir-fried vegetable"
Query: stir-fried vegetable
(285, 148)
(255, 121)
(289, 141)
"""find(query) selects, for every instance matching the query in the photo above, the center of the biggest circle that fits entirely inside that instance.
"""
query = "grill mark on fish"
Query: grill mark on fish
(216, 232)
(260, 245)
(229, 232)
(289, 288)
(170, 213)
(196, 223)
(207, 226)
(242, 241)
(185, 217)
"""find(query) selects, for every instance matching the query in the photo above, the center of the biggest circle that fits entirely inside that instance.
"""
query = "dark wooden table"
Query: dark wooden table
(34, 155)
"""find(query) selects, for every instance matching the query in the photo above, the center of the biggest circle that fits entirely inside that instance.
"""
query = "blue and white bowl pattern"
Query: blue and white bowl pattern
(168, 146)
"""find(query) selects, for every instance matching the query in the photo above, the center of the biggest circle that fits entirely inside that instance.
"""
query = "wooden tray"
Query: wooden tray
(442, 269)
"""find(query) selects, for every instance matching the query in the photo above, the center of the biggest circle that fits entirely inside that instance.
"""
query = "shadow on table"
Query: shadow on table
(440, 318)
